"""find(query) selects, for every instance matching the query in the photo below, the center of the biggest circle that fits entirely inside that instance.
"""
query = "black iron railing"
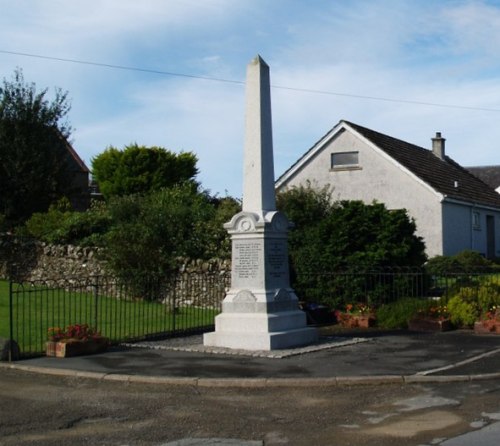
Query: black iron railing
(145, 309)
(119, 310)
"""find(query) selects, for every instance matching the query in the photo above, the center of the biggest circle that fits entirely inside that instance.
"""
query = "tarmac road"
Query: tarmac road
(387, 389)
(38, 409)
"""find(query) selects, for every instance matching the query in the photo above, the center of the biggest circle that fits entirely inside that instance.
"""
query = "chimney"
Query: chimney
(438, 145)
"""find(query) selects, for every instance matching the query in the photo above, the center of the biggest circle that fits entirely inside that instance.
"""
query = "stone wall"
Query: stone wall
(27, 260)
(198, 282)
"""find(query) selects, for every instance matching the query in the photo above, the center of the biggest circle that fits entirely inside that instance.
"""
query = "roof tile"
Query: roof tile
(444, 176)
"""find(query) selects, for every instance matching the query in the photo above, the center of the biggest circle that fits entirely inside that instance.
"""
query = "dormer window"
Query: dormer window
(345, 161)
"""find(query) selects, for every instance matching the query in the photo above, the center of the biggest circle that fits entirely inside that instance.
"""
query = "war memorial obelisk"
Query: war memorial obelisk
(260, 311)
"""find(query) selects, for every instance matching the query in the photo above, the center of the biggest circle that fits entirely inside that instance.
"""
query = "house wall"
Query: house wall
(462, 234)
(459, 235)
(377, 178)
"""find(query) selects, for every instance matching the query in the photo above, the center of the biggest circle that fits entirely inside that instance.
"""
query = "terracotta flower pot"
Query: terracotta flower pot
(76, 347)
(357, 320)
(489, 326)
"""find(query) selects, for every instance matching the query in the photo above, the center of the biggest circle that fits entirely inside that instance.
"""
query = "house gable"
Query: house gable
(78, 192)
(444, 177)
(440, 194)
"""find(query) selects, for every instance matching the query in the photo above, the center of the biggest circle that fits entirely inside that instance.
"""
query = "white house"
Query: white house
(453, 209)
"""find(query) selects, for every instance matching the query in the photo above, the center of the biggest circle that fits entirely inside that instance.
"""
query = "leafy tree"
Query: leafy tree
(140, 169)
(150, 232)
(218, 240)
(343, 236)
(32, 148)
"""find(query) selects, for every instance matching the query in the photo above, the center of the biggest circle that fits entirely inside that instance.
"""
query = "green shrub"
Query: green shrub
(463, 307)
(150, 233)
(345, 236)
(44, 225)
(488, 296)
(397, 314)
(465, 261)
(61, 225)
(84, 228)
(467, 305)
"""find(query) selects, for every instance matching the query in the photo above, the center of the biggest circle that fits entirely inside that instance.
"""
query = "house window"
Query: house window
(476, 220)
(345, 160)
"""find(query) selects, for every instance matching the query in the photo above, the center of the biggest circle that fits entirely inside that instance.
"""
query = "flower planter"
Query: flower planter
(76, 347)
(490, 326)
(356, 320)
(426, 324)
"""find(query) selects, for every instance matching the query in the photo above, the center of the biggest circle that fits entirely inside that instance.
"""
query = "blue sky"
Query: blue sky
(368, 61)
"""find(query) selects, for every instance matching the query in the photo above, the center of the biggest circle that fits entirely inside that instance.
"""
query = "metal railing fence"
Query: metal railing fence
(119, 310)
(127, 311)
(378, 286)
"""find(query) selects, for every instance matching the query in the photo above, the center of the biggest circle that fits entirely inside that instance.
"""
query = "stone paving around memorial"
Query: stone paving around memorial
(195, 344)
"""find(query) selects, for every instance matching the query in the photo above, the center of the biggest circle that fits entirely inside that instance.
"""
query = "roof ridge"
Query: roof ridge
(444, 176)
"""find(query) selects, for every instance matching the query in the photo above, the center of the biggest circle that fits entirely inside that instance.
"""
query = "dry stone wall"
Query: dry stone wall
(199, 282)
(26, 260)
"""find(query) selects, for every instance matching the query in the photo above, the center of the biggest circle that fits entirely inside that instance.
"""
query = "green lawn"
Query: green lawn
(36, 309)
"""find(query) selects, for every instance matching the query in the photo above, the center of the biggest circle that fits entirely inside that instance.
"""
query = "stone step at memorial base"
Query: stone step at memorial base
(261, 322)
(265, 340)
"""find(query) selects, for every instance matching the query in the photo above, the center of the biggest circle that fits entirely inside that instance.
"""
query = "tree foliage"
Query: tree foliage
(140, 169)
(61, 225)
(466, 261)
(329, 237)
(149, 233)
(218, 240)
(341, 235)
(32, 148)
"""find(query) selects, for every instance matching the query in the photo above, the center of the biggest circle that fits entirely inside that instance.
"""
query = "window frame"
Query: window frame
(346, 166)
(476, 220)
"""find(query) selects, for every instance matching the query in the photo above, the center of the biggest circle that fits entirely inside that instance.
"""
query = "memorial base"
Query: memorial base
(269, 331)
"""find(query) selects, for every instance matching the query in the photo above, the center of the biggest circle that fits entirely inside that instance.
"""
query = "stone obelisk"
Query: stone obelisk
(260, 311)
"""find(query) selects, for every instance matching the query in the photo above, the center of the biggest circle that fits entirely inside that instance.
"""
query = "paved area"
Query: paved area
(361, 357)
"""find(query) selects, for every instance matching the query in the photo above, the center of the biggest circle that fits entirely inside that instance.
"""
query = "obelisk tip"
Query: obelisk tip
(257, 60)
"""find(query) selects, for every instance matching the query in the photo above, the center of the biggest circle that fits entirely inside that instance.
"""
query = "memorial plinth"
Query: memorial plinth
(260, 312)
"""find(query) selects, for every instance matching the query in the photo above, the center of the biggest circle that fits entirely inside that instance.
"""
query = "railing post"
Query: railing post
(174, 312)
(96, 303)
(11, 320)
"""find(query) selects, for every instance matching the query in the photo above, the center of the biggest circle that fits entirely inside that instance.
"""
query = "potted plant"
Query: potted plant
(77, 339)
(432, 318)
(489, 323)
(357, 315)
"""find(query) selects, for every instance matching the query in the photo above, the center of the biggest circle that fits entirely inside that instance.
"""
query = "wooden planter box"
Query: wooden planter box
(357, 321)
(430, 325)
(487, 327)
(75, 347)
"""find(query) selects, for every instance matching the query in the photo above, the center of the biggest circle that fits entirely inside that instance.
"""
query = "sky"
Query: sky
(171, 73)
